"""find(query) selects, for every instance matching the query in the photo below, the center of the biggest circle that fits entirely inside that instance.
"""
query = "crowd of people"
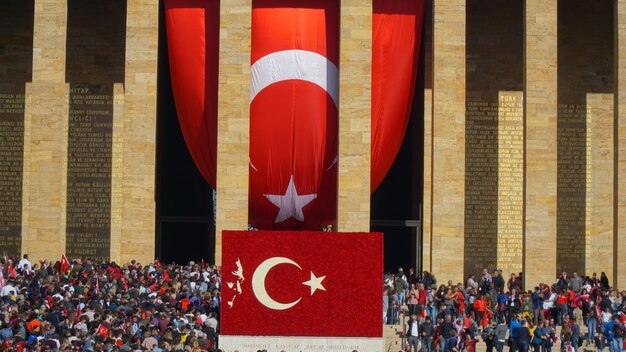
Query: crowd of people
(86, 306)
(571, 313)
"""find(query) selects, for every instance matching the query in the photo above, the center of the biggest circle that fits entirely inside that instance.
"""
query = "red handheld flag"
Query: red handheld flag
(79, 312)
(299, 283)
(65, 264)
(104, 329)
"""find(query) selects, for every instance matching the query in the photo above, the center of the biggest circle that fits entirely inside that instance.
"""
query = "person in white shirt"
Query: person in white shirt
(211, 321)
(26, 262)
(8, 290)
(412, 333)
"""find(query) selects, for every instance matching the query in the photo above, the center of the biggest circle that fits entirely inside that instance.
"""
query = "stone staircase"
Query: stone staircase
(393, 334)
(393, 339)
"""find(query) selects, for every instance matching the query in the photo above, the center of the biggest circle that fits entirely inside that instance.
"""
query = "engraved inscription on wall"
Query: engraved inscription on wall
(494, 174)
(481, 185)
(11, 166)
(572, 187)
(89, 171)
(510, 181)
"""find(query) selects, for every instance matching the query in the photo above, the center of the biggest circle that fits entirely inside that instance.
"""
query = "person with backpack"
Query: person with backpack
(401, 285)
(515, 325)
(501, 330)
(427, 331)
(538, 338)
(523, 336)
(617, 341)
(549, 330)
(488, 336)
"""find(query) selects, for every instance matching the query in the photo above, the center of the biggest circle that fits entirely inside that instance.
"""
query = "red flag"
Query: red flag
(396, 37)
(103, 329)
(294, 94)
(301, 284)
(65, 264)
(193, 32)
(79, 311)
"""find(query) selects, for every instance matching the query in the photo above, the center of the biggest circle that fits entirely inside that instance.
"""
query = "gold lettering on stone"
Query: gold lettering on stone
(494, 177)
(89, 172)
(11, 165)
(510, 181)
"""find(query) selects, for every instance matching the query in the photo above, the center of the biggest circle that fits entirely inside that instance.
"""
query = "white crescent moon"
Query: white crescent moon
(298, 65)
(258, 283)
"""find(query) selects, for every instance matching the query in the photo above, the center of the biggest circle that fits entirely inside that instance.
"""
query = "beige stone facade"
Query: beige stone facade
(61, 67)
(541, 183)
(353, 211)
(524, 144)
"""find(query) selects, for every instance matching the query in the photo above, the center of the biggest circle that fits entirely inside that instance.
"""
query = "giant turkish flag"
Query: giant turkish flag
(293, 114)
(294, 98)
(301, 284)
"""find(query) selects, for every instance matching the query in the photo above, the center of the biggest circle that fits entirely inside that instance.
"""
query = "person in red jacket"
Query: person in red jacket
(561, 304)
(480, 306)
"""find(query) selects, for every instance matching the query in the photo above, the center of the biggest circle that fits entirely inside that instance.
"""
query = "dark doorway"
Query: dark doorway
(184, 200)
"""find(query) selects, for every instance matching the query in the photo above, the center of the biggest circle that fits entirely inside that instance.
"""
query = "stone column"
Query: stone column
(45, 148)
(620, 138)
(355, 76)
(599, 215)
(117, 172)
(233, 120)
(541, 140)
(448, 163)
(427, 233)
(139, 136)
(428, 181)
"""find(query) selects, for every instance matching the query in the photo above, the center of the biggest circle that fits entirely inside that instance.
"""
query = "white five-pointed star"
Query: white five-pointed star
(291, 203)
(315, 283)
